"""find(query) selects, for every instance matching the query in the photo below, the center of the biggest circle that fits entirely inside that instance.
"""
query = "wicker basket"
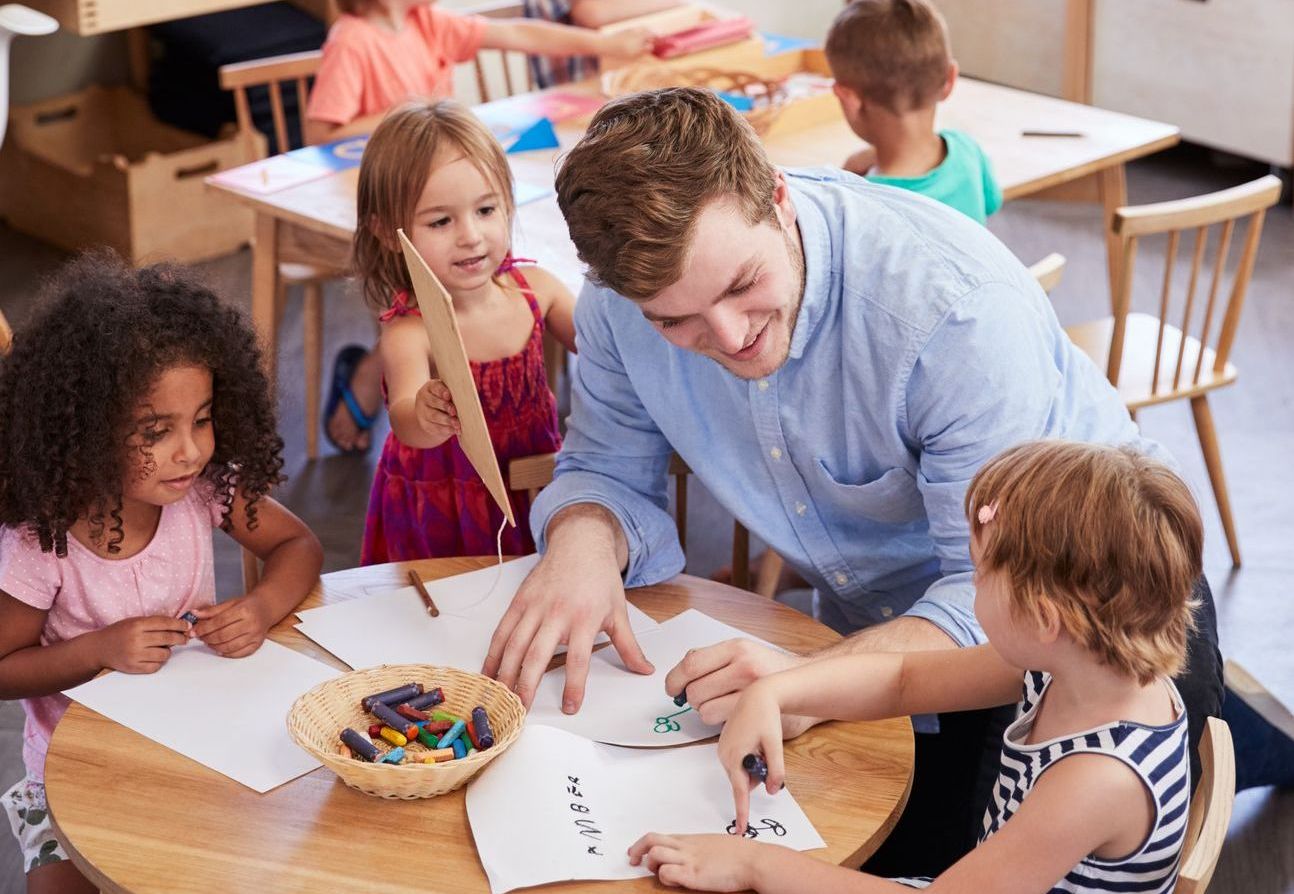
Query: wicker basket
(767, 96)
(317, 718)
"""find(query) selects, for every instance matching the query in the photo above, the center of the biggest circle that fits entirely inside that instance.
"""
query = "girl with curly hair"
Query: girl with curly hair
(134, 419)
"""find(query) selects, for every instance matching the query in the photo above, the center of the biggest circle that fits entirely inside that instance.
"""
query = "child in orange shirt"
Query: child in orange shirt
(382, 52)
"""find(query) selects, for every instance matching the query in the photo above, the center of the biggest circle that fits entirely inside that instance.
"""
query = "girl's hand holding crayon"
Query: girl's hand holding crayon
(139, 645)
(699, 862)
(434, 409)
(234, 629)
(753, 728)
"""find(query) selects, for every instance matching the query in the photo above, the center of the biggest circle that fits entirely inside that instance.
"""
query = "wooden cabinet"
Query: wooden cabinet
(1222, 70)
(86, 17)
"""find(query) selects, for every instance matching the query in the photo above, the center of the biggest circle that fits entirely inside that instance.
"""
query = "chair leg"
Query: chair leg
(770, 572)
(1213, 461)
(740, 556)
(312, 315)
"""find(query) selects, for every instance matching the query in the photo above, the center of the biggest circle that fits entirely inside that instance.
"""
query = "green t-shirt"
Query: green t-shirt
(963, 180)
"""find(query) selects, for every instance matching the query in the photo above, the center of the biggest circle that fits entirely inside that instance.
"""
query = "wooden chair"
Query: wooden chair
(498, 73)
(1152, 361)
(1048, 271)
(532, 473)
(297, 267)
(1206, 828)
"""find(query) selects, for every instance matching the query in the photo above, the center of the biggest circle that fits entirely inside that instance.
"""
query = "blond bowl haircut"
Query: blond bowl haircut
(632, 188)
(1110, 538)
(397, 163)
(892, 52)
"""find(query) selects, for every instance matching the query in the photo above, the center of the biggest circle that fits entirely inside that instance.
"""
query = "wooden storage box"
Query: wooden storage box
(95, 168)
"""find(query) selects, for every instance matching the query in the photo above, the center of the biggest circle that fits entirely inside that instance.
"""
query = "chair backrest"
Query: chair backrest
(499, 73)
(1048, 271)
(272, 73)
(1206, 828)
(1225, 208)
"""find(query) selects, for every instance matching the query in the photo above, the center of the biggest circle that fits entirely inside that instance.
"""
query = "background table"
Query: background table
(317, 219)
(138, 817)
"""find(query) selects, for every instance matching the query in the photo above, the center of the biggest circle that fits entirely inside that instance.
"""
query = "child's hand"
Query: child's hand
(701, 862)
(753, 727)
(234, 629)
(861, 161)
(435, 411)
(630, 42)
(140, 645)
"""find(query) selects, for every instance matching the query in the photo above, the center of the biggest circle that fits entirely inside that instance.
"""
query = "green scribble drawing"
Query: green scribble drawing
(668, 724)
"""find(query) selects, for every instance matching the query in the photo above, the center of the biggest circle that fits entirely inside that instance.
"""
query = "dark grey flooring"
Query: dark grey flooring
(1255, 423)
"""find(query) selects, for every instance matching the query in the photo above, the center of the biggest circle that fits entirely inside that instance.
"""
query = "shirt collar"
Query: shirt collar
(815, 236)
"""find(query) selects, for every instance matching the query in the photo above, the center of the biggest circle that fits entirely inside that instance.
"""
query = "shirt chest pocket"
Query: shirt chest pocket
(892, 499)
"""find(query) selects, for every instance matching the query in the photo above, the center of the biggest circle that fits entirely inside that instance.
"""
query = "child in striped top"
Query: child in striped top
(1085, 560)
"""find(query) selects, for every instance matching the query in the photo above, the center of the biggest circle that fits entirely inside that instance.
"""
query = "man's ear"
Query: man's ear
(783, 206)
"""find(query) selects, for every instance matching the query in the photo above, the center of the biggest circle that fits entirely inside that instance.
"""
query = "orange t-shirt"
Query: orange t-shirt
(366, 68)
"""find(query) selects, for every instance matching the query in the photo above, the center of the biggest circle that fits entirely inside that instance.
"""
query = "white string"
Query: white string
(498, 542)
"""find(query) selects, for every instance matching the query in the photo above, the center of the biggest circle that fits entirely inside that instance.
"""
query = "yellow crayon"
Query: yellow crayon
(395, 737)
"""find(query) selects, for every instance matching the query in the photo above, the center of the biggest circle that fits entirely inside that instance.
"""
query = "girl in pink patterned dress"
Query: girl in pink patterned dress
(456, 207)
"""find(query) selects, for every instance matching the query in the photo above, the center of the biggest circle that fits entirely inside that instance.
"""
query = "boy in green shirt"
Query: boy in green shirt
(892, 66)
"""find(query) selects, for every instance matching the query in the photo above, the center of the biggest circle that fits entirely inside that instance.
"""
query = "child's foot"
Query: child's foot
(1262, 728)
(354, 400)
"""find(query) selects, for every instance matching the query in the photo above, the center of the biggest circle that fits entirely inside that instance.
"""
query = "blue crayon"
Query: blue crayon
(755, 767)
(190, 617)
(394, 756)
(460, 749)
(454, 732)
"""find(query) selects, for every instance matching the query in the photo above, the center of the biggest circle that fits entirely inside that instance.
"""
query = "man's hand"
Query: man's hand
(712, 679)
(574, 593)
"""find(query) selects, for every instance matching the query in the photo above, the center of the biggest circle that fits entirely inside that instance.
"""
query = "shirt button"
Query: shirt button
(886, 611)
(799, 508)
(776, 453)
(763, 384)
(841, 579)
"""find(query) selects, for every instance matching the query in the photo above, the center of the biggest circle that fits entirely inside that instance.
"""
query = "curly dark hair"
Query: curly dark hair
(99, 338)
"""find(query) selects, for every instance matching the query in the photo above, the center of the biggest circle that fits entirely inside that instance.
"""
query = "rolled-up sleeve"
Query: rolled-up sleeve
(613, 455)
(984, 381)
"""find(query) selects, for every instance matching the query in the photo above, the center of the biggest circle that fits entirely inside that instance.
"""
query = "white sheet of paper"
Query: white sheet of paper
(557, 807)
(624, 708)
(228, 714)
(394, 627)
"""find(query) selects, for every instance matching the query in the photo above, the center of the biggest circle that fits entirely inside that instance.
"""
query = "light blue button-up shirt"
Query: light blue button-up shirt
(922, 349)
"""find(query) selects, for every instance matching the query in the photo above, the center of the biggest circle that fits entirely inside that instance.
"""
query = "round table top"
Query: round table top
(136, 816)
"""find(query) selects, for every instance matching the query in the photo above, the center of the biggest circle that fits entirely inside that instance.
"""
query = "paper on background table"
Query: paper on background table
(534, 825)
(394, 626)
(624, 708)
(228, 714)
(437, 311)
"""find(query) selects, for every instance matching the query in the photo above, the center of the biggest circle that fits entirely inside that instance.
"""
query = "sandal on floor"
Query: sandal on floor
(343, 370)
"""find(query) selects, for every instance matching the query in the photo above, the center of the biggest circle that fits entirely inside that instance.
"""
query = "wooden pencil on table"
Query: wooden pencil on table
(423, 594)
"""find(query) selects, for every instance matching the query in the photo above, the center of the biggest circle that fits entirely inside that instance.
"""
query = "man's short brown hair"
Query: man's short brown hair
(1110, 538)
(892, 52)
(632, 188)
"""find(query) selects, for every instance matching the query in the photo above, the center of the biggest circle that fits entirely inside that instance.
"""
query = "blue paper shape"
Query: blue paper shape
(339, 155)
(784, 43)
(539, 135)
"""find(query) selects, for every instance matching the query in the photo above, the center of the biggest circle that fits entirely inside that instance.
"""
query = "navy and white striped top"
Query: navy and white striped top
(1160, 755)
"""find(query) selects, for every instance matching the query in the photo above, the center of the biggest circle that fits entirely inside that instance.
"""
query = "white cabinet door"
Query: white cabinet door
(1020, 43)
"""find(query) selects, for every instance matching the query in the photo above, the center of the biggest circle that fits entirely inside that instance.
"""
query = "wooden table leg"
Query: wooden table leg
(265, 287)
(1114, 195)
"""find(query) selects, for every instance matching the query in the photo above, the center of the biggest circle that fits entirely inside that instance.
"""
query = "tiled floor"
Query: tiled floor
(1255, 423)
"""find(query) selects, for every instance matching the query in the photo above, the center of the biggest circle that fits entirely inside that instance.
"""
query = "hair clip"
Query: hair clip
(986, 513)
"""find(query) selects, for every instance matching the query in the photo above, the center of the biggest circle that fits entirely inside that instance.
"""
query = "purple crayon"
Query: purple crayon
(363, 748)
(387, 715)
(391, 696)
(755, 767)
(484, 736)
(190, 617)
(428, 699)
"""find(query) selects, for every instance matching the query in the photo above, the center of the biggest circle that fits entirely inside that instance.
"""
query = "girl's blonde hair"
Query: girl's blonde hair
(397, 162)
(1108, 537)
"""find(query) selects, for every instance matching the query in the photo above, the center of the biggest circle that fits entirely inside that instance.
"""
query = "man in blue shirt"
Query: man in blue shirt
(833, 359)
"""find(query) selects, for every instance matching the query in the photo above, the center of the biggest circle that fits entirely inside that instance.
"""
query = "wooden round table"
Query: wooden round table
(138, 817)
